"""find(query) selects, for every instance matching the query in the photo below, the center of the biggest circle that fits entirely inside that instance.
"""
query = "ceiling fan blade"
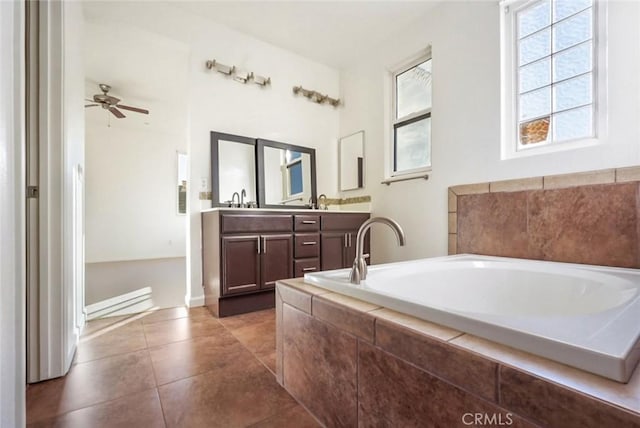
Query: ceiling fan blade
(91, 105)
(136, 109)
(117, 113)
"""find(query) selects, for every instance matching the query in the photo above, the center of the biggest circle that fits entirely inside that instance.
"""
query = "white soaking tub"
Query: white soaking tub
(580, 315)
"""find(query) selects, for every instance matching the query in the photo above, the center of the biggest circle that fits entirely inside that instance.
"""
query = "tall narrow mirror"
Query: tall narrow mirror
(287, 174)
(233, 169)
(351, 161)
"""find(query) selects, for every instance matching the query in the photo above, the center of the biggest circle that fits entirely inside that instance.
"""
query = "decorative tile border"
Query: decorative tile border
(561, 181)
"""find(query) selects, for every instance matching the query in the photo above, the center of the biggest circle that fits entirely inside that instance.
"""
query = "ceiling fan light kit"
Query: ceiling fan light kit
(238, 75)
(112, 103)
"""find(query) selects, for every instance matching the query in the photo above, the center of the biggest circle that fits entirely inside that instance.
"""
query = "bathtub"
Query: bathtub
(580, 315)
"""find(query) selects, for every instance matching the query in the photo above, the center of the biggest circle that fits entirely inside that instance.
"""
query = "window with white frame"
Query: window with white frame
(412, 117)
(551, 72)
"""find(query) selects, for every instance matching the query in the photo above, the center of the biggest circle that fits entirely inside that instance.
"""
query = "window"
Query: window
(551, 72)
(293, 177)
(412, 117)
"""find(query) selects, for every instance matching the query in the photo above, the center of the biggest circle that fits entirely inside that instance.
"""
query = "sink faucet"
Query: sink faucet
(322, 202)
(242, 196)
(359, 270)
(233, 199)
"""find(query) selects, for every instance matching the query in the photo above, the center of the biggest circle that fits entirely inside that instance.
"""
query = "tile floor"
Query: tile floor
(170, 368)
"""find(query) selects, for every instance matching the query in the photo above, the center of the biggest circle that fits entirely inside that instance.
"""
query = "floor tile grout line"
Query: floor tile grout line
(98, 403)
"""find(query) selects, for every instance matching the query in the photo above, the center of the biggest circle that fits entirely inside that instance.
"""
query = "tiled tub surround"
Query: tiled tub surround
(353, 363)
(590, 217)
(583, 316)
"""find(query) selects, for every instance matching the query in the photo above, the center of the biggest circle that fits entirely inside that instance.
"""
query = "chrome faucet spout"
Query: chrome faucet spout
(359, 269)
(242, 196)
(233, 200)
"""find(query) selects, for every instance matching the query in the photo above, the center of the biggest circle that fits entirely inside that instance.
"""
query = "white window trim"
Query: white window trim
(508, 66)
(420, 57)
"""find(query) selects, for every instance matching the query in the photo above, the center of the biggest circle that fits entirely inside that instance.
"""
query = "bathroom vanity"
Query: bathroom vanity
(245, 251)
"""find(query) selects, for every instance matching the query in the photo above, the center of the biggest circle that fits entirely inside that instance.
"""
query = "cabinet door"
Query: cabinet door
(240, 264)
(332, 246)
(277, 259)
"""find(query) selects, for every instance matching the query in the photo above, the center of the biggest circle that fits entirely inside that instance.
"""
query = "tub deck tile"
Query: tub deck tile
(474, 373)
(624, 395)
(552, 405)
(346, 313)
(424, 327)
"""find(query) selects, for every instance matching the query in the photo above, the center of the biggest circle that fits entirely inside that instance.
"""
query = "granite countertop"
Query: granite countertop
(276, 210)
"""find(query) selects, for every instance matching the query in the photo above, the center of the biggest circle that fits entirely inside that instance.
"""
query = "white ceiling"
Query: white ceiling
(329, 32)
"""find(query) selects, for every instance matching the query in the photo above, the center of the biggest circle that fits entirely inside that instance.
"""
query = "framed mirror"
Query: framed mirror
(287, 175)
(233, 168)
(351, 161)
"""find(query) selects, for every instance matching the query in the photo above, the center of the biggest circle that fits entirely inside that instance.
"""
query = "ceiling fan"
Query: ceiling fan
(110, 103)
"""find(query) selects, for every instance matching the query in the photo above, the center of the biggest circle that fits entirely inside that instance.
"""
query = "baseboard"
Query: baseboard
(192, 302)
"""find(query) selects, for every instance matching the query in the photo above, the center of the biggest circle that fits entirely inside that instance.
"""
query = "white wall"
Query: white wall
(465, 37)
(12, 216)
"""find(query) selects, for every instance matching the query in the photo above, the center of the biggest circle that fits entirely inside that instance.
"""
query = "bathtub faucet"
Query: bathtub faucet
(359, 270)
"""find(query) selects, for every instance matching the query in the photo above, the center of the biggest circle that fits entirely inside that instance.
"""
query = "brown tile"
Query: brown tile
(146, 412)
(346, 313)
(105, 325)
(259, 338)
(470, 189)
(394, 393)
(295, 297)
(427, 328)
(90, 383)
(248, 319)
(470, 371)
(551, 405)
(580, 179)
(588, 224)
(110, 340)
(173, 313)
(452, 222)
(493, 224)
(240, 394)
(452, 201)
(320, 367)
(163, 332)
(631, 173)
(279, 338)
(294, 417)
(269, 360)
(452, 245)
(187, 358)
(517, 185)
(625, 395)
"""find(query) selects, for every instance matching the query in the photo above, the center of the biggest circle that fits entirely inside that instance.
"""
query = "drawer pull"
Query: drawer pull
(308, 222)
(309, 243)
(309, 269)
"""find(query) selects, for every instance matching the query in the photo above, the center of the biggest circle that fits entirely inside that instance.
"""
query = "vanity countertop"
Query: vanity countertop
(277, 210)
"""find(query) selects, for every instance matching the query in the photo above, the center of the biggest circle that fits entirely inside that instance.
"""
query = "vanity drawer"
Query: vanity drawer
(343, 221)
(248, 223)
(307, 223)
(300, 267)
(307, 245)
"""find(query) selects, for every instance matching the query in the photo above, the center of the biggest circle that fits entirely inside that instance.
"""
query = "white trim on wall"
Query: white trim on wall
(12, 215)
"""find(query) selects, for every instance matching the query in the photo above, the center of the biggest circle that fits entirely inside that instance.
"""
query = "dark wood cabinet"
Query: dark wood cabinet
(276, 259)
(338, 239)
(245, 252)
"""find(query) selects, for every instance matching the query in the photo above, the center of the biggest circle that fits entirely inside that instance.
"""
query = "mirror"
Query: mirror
(233, 168)
(287, 174)
(351, 161)
(183, 178)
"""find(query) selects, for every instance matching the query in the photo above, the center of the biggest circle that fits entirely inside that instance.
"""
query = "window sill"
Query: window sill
(549, 148)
